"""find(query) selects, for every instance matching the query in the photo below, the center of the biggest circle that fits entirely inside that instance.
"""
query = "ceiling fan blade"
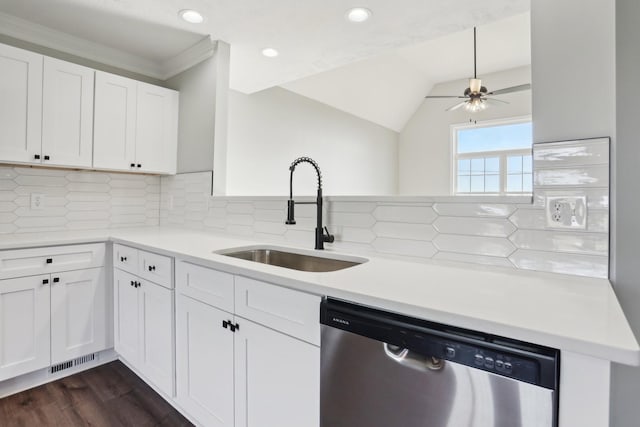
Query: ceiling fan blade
(455, 107)
(511, 89)
(494, 101)
(444, 96)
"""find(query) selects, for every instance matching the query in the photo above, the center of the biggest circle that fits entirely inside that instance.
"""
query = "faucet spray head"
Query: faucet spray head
(290, 212)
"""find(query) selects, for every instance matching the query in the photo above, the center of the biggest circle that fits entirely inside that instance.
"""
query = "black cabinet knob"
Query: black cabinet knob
(56, 279)
(45, 281)
(133, 283)
(123, 259)
(49, 260)
(139, 284)
(47, 158)
(133, 165)
(37, 157)
(139, 165)
(152, 268)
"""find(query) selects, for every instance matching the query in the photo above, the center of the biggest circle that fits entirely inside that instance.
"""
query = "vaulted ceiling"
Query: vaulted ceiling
(312, 35)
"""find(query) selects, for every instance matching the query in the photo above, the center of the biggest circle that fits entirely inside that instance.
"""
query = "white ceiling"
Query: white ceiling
(311, 35)
(387, 89)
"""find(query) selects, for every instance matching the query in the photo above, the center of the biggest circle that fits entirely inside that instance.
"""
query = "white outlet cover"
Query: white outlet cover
(37, 201)
(566, 212)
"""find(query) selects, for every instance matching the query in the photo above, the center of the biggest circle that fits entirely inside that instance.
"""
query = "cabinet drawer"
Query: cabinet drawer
(29, 262)
(125, 258)
(156, 268)
(205, 285)
(285, 310)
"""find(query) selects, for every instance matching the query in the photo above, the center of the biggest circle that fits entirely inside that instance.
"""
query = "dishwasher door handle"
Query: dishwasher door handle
(411, 359)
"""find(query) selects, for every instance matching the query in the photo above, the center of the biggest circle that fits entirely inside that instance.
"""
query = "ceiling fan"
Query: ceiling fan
(476, 97)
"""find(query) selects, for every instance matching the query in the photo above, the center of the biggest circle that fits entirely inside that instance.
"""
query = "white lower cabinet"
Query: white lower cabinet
(127, 329)
(78, 314)
(144, 328)
(24, 325)
(277, 379)
(156, 334)
(246, 374)
(204, 363)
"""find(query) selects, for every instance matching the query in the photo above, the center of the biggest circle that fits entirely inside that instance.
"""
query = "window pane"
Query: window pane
(477, 166)
(514, 164)
(527, 164)
(464, 165)
(489, 138)
(477, 184)
(527, 182)
(492, 183)
(492, 164)
(514, 183)
(464, 183)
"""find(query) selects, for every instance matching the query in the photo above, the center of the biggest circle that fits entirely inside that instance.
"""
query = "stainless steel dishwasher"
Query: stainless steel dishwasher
(380, 369)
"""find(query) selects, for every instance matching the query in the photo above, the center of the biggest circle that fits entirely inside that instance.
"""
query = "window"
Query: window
(493, 158)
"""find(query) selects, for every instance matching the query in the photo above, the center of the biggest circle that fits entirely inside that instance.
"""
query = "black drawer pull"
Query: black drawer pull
(49, 260)
(56, 279)
(47, 158)
(139, 165)
(123, 259)
(45, 281)
(133, 165)
(37, 157)
(133, 283)
(152, 268)
(138, 284)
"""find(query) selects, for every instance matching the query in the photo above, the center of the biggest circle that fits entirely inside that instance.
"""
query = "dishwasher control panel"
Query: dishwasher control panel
(502, 363)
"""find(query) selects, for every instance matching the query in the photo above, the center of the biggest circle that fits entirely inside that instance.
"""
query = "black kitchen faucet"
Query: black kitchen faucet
(322, 234)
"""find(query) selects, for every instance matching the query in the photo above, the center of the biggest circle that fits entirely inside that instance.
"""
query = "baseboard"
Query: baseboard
(44, 376)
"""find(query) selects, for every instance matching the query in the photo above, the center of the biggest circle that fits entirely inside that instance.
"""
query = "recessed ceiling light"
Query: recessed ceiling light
(358, 14)
(191, 16)
(270, 52)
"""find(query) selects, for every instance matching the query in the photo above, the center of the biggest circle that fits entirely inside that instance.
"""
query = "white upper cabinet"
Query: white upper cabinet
(115, 122)
(20, 105)
(136, 126)
(156, 129)
(67, 114)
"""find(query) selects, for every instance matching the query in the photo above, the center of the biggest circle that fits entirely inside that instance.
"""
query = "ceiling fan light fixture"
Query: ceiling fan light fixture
(475, 105)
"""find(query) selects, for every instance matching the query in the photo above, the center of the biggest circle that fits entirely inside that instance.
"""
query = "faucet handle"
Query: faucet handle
(327, 237)
(290, 212)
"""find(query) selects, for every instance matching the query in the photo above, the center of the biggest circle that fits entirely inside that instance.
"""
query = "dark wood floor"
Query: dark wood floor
(109, 395)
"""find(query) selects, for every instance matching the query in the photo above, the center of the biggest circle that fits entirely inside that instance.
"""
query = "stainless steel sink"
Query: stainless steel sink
(292, 260)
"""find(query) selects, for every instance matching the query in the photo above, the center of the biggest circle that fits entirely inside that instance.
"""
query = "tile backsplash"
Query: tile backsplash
(473, 230)
(507, 232)
(76, 200)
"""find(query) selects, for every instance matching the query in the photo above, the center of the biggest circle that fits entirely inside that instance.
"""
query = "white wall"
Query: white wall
(269, 129)
(626, 380)
(425, 142)
(573, 77)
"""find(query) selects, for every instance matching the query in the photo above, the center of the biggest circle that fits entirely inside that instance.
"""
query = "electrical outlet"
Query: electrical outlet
(567, 212)
(37, 201)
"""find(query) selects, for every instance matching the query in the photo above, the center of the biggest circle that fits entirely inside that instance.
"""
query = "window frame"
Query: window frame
(501, 154)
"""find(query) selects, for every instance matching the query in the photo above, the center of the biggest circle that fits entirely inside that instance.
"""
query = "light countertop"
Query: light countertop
(576, 314)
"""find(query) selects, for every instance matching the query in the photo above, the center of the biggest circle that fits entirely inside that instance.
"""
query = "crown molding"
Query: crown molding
(47, 37)
(186, 59)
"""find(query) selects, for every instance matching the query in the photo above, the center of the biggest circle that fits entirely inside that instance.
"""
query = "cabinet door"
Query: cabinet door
(20, 105)
(126, 319)
(24, 325)
(78, 314)
(114, 122)
(156, 359)
(156, 129)
(204, 362)
(67, 114)
(277, 379)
